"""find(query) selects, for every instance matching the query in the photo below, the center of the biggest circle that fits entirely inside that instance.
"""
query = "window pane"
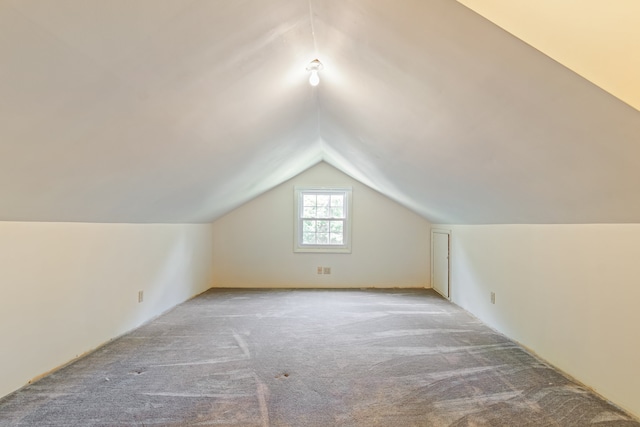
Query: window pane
(309, 200)
(309, 238)
(337, 212)
(309, 212)
(309, 226)
(323, 213)
(336, 227)
(337, 200)
(322, 226)
(323, 199)
(322, 238)
(336, 239)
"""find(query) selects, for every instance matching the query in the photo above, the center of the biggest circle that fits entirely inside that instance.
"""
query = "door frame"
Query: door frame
(448, 233)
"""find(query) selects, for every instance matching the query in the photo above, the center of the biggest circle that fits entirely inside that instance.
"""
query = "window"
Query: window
(323, 220)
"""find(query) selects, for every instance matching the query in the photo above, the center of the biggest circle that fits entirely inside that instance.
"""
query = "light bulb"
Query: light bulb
(314, 79)
(313, 67)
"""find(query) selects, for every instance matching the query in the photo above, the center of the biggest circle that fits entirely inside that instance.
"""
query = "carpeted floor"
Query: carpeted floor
(310, 358)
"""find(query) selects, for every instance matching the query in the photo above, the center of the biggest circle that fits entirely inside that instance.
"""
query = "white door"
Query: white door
(440, 262)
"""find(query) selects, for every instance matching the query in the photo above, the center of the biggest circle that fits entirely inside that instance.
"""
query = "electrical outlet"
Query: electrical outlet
(327, 270)
(493, 297)
(140, 296)
(319, 270)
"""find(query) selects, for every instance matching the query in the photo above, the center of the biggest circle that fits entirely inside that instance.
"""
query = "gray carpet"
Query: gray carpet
(310, 358)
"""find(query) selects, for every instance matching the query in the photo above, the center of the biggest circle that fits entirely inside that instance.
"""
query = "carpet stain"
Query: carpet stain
(262, 392)
(242, 344)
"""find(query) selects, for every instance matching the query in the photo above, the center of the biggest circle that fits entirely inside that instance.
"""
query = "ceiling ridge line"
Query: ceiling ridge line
(315, 48)
(313, 30)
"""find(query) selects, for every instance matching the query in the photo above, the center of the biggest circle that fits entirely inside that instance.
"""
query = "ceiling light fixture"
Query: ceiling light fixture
(314, 66)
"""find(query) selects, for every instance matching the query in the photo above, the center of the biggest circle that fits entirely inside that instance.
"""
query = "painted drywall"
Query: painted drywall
(253, 245)
(596, 39)
(169, 111)
(66, 288)
(568, 292)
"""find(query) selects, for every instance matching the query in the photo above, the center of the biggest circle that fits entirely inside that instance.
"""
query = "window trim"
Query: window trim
(298, 246)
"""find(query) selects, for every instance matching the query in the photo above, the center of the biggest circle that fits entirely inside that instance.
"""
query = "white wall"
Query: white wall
(253, 245)
(66, 288)
(570, 293)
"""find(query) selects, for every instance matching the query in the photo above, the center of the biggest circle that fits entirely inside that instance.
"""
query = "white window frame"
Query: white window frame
(298, 246)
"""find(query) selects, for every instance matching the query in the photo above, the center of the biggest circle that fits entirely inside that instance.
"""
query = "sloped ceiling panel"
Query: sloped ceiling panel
(444, 112)
(151, 111)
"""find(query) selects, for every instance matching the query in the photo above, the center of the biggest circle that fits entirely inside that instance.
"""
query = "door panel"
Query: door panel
(440, 262)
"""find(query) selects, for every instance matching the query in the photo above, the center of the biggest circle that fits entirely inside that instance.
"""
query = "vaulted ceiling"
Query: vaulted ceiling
(181, 110)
